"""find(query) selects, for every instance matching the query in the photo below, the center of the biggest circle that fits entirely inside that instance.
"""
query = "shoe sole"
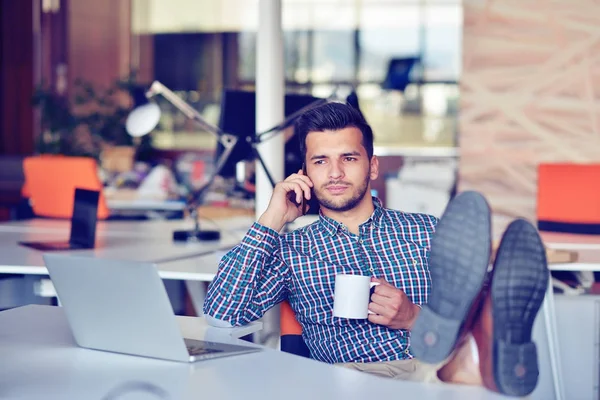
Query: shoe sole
(518, 289)
(458, 263)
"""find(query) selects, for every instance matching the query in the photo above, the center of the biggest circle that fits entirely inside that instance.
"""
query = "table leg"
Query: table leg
(197, 293)
(553, 345)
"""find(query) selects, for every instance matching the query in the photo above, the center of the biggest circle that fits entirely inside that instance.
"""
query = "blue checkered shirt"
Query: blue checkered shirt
(267, 268)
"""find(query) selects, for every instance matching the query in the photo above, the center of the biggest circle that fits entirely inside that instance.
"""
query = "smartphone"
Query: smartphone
(304, 204)
(292, 196)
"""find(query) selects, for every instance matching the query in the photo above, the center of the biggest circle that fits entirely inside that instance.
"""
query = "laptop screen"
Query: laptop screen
(85, 215)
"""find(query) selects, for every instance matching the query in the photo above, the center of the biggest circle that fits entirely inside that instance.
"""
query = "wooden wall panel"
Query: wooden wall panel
(53, 50)
(16, 77)
(99, 41)
(530, 93)
(86, 39)
(143, 57)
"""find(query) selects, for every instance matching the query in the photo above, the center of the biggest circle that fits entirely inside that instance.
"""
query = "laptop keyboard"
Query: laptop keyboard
(197, 348)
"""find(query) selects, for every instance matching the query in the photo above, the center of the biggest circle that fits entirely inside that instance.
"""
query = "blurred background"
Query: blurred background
(461, 94)
(200, 47)
(70, 81)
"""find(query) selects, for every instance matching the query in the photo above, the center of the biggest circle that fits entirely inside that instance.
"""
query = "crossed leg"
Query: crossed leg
(497, 306)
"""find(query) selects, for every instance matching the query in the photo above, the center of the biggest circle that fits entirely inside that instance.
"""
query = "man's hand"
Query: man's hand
(282, 209)
(392, 307)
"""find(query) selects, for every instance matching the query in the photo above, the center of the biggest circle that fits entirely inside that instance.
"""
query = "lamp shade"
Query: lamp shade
(143, 119)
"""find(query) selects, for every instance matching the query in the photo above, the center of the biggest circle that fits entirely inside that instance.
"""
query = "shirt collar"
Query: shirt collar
(378, 218)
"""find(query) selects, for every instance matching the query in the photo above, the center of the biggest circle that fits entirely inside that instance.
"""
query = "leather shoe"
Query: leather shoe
(507, 356)
(458, 264)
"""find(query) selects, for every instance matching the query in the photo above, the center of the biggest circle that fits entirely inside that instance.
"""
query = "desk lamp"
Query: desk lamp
(144, 118)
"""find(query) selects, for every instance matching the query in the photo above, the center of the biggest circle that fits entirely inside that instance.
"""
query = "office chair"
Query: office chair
(568, 198)
(568, 201)
(291, 332)
(352, 99)
(398, 73)
(50, 183)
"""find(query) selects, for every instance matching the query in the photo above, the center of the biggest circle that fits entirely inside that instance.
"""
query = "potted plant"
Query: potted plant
(85, 125)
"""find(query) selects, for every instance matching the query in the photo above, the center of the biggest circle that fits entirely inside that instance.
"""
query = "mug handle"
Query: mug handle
(371, 291)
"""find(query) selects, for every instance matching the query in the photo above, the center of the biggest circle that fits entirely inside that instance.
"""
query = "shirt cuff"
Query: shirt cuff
(261, 238)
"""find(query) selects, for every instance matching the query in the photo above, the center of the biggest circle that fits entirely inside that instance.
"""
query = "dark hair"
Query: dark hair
(332, 117)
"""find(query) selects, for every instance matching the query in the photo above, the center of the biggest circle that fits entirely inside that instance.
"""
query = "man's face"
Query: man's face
(339, 167)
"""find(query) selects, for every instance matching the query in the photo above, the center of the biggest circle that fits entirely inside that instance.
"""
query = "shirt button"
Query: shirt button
(258, 236)
(415, 262)
(360, 240)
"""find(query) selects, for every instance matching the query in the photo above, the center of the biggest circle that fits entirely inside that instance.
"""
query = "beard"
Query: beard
(340, 204)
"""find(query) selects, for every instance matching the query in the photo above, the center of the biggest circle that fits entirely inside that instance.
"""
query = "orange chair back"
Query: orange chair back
(291, 332)
(50, 183)
(568, 198)
(287, 322)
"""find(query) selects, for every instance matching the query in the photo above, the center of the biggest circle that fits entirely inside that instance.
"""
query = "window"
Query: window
(327, 43)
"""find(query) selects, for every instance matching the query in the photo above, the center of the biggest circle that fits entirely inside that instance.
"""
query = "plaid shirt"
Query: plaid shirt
(267, 268)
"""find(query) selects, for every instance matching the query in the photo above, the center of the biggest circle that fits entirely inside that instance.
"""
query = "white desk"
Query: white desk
(145, 205)
(141, 229)
(588, 261)
(41, 361)
(149, 241)
(199, 266)
(17, 259)
(570, 241)
(588, 253)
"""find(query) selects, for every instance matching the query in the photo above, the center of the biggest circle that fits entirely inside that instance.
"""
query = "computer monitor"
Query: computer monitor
(238, 117)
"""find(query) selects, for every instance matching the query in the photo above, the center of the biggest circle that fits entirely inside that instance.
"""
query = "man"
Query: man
(354, 235)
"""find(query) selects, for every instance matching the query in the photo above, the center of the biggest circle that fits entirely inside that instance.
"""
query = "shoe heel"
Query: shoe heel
(516, 371)
(433, 337)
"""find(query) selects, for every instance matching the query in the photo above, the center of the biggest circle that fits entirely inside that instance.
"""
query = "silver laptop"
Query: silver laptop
(123, 307)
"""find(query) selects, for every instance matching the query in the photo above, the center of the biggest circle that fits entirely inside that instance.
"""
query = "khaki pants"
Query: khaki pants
(406, 370)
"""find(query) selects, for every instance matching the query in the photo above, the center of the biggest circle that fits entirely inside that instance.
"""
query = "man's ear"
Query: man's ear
(374, 168)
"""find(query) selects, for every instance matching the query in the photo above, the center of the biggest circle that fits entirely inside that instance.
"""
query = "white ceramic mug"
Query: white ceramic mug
(352, 296)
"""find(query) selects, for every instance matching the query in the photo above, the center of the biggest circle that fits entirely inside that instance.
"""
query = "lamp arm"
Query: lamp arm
(292, 118)
(189, 111)
(228, 142)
